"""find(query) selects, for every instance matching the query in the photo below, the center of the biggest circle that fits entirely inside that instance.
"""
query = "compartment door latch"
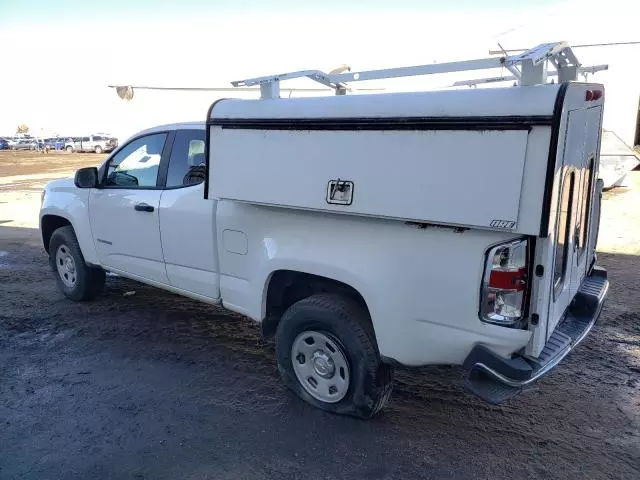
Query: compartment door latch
(340, 192)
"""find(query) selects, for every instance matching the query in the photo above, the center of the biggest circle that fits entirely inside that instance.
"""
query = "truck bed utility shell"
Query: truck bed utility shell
(448, 157)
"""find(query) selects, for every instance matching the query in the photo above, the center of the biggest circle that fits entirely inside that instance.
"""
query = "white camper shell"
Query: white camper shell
(472, 158)
(368, 231)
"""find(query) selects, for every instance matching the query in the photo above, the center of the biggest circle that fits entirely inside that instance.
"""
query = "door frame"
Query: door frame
(574, 168)
(158, 187)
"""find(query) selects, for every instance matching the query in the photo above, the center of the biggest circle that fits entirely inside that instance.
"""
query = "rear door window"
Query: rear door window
(564, 232)
(587, 188)
(187, 162)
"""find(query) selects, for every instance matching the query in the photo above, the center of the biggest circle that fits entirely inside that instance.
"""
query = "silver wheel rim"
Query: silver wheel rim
(66, 266)
(321, 366)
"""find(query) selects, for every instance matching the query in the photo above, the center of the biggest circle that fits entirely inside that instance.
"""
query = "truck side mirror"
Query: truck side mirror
(86, 178)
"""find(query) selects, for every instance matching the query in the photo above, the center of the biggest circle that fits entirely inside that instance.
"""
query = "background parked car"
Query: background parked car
(13, 141)
(54, 143)
(25, 144)
(91, 143)
(72, 144)
(4, 144)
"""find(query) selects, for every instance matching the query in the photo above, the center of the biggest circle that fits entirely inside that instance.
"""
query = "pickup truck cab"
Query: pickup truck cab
(364, 232)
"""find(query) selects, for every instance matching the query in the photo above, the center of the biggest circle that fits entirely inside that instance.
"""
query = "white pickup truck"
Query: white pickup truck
(363, 231)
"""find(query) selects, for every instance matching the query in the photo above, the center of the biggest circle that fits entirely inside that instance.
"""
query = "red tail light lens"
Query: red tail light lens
(591, 95)
(504, 284)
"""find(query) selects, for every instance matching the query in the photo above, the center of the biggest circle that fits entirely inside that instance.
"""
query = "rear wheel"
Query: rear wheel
(76, 280)
(327, 354)
(69, 149)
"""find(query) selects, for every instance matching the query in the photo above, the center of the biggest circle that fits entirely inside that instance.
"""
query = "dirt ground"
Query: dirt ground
(24, 173)
(151, 385)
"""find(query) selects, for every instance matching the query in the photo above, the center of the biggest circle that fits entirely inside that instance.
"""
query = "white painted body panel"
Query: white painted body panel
(451, 170)
(63, 199)
(490, 102)
(421, 285)
(580, 261)
(187, 232)
(124, 238)
(576, 141)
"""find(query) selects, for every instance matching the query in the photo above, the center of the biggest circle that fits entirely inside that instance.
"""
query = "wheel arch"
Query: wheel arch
(49, 223)
(285, 287)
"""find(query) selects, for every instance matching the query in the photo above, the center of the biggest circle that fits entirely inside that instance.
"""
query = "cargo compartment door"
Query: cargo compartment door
(586, 176)
(573, 253)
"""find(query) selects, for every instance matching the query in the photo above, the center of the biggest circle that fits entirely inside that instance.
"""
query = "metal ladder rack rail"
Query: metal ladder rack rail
(527, 68)
(584, 71)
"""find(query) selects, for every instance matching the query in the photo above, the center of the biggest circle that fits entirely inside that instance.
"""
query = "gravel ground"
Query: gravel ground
(151, 385)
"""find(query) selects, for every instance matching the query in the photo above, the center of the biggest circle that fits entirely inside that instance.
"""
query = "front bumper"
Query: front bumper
(496, 379)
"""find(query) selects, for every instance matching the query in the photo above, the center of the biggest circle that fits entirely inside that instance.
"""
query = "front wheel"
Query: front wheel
(327, 354)
(76, 280)
(69, 149)
(98, 149)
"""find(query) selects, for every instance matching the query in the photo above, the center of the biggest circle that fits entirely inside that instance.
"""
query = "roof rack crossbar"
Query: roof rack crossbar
(527, 68)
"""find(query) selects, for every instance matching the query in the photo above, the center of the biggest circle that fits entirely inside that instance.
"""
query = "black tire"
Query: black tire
(344, 320)
(89, 280)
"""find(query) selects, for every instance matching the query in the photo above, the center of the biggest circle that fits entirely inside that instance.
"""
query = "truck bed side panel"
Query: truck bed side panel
(421, 285)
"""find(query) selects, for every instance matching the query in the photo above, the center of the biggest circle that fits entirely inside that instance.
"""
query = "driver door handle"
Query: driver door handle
(143, 207)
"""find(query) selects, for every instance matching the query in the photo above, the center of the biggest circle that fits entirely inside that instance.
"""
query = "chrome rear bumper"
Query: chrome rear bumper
(497, 379)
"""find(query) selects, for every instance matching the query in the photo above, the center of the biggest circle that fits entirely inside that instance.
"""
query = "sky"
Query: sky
(59, 56)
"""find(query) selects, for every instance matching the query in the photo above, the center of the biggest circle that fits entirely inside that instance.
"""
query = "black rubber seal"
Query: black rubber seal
(386, 123)
(551, 160)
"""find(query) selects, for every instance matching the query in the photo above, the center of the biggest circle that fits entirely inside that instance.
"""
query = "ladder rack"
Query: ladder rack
(584, 71)
(527, 68)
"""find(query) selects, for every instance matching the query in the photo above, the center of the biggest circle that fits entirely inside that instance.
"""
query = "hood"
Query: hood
(60, 185)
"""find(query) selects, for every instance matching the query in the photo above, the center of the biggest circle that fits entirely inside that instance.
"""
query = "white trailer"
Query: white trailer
(366, 231)
(617, 159)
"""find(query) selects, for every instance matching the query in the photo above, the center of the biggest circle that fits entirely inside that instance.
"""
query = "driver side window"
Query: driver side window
(136, 165)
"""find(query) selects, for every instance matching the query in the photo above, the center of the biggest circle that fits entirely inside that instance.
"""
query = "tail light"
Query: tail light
(504, 284)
